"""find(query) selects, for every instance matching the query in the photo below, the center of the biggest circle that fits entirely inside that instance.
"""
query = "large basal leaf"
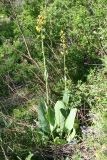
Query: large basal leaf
(51, 118)
(59, 117)
(43, 122)
(69, 123)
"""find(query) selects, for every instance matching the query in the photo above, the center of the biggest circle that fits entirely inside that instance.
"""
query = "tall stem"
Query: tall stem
(45, 70)
(65, 71)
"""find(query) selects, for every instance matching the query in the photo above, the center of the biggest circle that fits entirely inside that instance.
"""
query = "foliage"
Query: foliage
(95, 92)
(85, 34)
(57, 123)
(47, 47)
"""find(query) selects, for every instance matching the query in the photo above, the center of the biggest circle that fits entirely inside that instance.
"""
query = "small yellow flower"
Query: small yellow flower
(62, 32)
(64, 46)
(38, 29)
(62, 52)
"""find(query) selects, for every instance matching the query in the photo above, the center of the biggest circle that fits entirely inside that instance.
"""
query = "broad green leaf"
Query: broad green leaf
(51, 118)
(43, 122)
(69, 123)
(59, 117)
(66, 96)
(71, 136)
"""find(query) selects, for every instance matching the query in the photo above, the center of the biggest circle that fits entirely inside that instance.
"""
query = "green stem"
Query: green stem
(45, 70)
(65, 71)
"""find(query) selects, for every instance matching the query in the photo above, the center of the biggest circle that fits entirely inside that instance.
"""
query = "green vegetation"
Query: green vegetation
(58, 121)
(53, 79)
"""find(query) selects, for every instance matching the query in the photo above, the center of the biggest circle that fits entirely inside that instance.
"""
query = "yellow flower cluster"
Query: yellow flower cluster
(40, 23)
(63, 41)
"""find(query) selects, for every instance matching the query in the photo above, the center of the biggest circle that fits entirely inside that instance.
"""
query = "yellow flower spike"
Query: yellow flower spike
(40, 23)
(63, 42)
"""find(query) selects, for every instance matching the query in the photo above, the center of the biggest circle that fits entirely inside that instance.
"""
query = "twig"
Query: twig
(4, 153)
